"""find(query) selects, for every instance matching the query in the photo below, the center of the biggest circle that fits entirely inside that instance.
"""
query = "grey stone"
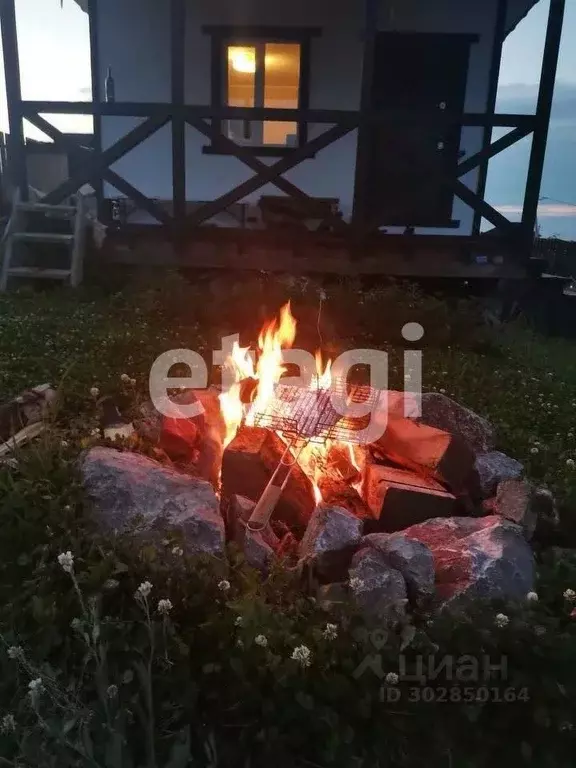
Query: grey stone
(412, 558)
(443, 413)
(258, 553)
(130, 492)
(330, 539)
(379, 590)
(493, 467)
(514, 501)
(485, 557)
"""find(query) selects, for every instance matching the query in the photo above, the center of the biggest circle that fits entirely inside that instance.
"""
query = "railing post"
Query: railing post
(364, 126)
(178, 46)
(98, 183)
(16, 147)
(499, 35)
(543, 110)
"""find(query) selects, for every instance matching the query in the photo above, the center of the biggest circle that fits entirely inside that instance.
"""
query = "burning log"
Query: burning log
(198, 440)
(398, 499)
(248, 464)
(429, 452)
(339, 462)
(336, 492)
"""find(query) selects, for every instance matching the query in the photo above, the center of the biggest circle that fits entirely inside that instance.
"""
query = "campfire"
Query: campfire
(280, 454)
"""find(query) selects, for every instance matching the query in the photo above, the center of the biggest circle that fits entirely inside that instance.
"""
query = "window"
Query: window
(261, 69)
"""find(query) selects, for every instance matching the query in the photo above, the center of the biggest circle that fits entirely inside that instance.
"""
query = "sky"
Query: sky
(55, 64)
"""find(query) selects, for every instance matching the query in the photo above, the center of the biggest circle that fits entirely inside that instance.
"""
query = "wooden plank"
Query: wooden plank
(486, 210)
(543, 110)
(490, 151)
(22, 437)
(123, 186)
(341, 116)
(267, 175)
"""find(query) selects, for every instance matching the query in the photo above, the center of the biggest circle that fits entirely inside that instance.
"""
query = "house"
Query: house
(339, 135)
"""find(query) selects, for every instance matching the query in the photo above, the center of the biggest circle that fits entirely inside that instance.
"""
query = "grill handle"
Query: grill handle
(266, 504)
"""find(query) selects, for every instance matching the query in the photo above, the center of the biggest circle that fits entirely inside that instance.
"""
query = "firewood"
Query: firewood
(248, 464)
(398, 499)
(22, 437)
(28, 408)
(338, 462)
(336, 492)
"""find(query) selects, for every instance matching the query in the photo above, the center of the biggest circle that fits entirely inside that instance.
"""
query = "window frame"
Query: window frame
(224, 36)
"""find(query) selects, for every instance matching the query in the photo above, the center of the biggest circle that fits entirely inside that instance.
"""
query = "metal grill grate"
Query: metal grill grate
(300, 412)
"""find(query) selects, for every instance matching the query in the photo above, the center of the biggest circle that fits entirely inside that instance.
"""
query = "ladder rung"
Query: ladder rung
(44, 208)
(43, 237)
(49, 274)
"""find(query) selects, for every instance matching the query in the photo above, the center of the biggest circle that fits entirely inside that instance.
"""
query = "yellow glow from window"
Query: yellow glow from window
(242, 59)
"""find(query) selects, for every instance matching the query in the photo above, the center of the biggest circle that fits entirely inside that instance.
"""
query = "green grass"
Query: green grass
(124, 687)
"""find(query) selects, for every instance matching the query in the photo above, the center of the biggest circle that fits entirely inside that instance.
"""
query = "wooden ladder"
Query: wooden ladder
(21, 229)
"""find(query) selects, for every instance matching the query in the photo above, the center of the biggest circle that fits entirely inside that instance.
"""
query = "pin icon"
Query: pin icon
(379, 638)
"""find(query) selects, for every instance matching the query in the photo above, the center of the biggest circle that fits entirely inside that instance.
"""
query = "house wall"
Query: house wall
(134, 40)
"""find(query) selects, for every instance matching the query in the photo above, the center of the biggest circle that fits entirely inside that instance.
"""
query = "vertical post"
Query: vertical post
(540, 136)
(499, 35)
(178, 45)
(96, 99)
(364, 126)
(16, 147)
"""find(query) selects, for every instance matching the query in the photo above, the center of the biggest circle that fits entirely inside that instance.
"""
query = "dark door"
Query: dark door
(407, 162)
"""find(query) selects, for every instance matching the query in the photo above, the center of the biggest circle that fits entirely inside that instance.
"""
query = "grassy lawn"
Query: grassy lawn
(124, 686)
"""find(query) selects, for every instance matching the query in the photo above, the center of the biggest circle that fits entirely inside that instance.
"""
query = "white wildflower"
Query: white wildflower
(144, 589)
(570, 463)
(501, 620)
(442, 391)
(76, 624)
(391, 678)
(8, 724)
(164, 607)
(261, 640)
(66, 560)
(178, 551)
(15, 652)
(95, 392)
(240, 643)
(330, 632)
(239, 621)
(125, 378)
(356, 583)
(539, 630)
(133, 382)
(302, 655)
(570, 595)
(532, 597)
(534, 449)
(95, 432)
(35, 688)
(64, 444)
(112, 691)
(223, 585)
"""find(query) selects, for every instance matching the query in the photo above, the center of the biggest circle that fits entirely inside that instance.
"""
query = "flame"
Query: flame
(273, 338)
(323, 377)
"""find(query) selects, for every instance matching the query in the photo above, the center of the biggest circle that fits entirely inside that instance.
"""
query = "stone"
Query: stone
(330, 539)
(412, 558)
(514, 502)
(257, 552)
(493, 467)
(398, 498)
(379, 590)
(486, 557)
(443, 413)
(131, 493)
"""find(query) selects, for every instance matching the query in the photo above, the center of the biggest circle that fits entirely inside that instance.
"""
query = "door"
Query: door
(407, 162)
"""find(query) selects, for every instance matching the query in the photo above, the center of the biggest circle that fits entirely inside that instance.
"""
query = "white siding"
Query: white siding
(135, 42)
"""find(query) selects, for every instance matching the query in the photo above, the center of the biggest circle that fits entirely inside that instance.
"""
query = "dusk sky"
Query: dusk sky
(55, 64)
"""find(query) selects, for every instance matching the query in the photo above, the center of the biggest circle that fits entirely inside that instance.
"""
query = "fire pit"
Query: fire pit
(288, 476)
